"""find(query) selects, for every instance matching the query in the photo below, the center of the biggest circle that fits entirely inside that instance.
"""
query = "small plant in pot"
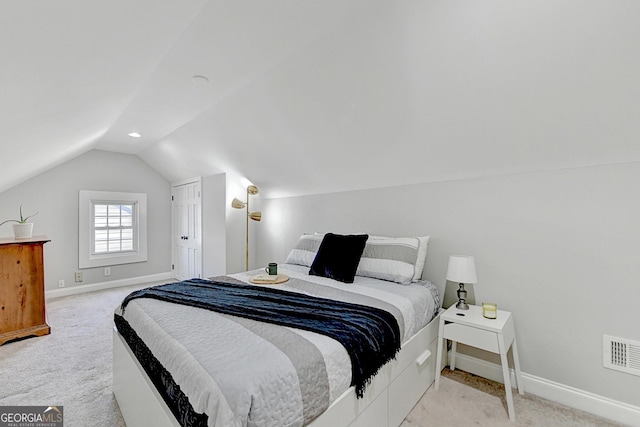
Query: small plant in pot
(22, 229)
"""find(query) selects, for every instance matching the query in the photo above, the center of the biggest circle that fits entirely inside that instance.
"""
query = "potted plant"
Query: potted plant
(22, 229)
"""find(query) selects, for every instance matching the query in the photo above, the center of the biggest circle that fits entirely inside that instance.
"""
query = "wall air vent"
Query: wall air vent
(621, 354)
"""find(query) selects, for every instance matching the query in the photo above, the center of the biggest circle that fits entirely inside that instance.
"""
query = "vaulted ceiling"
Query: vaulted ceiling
(311, 96)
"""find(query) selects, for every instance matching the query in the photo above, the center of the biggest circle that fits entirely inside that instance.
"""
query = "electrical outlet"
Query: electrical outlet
(78, 276)
(107, 271)
(61, 283)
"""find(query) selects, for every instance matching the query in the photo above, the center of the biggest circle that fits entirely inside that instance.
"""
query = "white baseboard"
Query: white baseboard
(575, 398)
(63, 292)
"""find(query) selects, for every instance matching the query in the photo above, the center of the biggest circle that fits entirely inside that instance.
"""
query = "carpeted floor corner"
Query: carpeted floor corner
(465, 399)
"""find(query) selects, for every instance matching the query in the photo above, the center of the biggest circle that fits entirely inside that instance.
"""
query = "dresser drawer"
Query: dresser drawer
(474, 337)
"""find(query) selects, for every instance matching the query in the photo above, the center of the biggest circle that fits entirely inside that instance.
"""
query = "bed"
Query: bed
(228, 370)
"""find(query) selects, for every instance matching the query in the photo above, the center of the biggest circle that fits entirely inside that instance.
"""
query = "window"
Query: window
(113, 228)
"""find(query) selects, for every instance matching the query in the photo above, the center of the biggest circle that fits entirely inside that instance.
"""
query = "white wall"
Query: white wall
(214, 256)
(55, 195)
(559, 249)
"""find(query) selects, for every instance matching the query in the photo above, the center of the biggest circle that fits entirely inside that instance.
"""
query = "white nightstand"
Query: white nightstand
(495, 335)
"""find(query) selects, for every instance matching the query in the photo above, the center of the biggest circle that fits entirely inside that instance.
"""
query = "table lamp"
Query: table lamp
(462, 269)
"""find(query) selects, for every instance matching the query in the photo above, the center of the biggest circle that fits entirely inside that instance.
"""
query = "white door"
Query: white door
(187, 230)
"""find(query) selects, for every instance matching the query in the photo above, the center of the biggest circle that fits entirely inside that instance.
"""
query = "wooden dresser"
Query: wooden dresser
(22, 304)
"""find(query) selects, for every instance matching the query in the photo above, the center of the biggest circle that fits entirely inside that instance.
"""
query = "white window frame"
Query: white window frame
(108, 228)
(86, 231)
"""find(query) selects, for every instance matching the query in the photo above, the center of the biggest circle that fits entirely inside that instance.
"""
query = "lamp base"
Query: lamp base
(462, 305)
(462, 298)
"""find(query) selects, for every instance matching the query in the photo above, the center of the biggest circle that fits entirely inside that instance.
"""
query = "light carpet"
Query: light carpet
(465, 399)
(72, 368)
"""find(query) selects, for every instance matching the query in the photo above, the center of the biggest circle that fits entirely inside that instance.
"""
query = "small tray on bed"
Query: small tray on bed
(265, 279)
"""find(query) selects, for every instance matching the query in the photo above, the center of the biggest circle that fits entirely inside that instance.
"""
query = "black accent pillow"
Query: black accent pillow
(338, 256)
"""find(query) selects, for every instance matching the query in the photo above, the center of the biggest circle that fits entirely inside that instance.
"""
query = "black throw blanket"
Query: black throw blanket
(370, 335)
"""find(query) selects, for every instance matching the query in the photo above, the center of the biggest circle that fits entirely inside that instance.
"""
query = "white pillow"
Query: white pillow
(304, 252)
(397, 259)
(422, 256)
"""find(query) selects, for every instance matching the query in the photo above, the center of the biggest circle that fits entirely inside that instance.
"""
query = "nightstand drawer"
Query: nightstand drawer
(474, 337)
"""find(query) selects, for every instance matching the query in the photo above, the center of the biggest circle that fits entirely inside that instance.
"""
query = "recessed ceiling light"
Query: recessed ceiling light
(135, 135)
(198, 79)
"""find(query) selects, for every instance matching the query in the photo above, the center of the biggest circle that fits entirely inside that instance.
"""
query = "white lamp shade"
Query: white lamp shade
(462, 269)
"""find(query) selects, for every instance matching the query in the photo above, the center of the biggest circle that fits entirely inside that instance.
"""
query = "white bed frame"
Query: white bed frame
(389, 398)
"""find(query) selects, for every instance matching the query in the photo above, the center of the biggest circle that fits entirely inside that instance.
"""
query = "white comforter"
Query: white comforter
(241, 372)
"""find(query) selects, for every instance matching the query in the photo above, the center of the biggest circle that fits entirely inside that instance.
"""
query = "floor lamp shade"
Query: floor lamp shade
(237, 204)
